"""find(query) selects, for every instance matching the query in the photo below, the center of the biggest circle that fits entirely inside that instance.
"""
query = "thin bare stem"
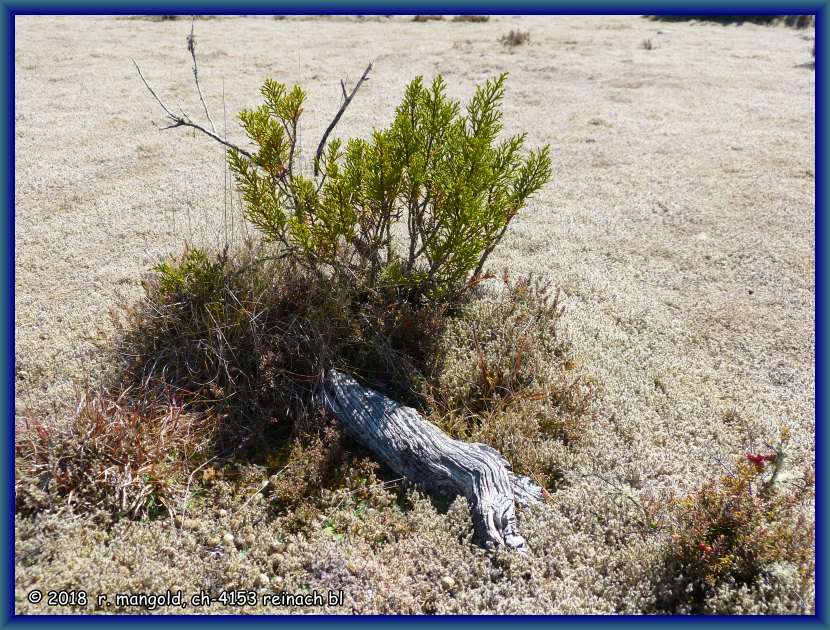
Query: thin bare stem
(183, 120)
(191, 46)
(334, 122)
(225, 164)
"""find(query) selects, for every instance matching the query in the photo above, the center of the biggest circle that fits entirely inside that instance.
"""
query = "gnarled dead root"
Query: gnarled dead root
(418, 450)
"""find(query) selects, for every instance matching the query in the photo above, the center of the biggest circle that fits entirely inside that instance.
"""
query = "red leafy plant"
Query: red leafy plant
(736, 528)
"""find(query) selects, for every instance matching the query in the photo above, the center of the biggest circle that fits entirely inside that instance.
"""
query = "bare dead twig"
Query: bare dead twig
(336, 119)
(191, 46)
(183, 120)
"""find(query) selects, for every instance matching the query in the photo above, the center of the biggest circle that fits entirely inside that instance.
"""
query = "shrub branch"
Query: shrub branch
(191, 47)
(336, 119)
(183, 120)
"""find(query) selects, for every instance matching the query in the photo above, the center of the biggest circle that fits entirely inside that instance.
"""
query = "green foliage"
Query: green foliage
(195, 275)
(444, 176)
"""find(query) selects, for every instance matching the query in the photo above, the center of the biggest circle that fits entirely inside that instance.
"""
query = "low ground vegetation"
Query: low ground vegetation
(748, 531)
(204, 461)
(193, 428)
(222, 357)
(796, 21)
(471, 18)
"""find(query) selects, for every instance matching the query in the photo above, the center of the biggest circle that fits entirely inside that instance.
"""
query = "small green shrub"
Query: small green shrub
(195, 276)
(442, 175)
(737, 529)
(223, 356)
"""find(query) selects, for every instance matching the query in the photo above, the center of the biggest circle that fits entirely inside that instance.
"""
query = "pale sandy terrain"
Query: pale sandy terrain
(679, 221)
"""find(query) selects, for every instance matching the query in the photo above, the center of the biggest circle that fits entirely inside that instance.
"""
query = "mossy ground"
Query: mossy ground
(243, 482)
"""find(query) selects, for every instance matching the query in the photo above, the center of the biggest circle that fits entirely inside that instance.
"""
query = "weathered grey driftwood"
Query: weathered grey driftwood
(416, 449)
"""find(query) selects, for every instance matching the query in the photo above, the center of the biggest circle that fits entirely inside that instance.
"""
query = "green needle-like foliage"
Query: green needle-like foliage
(443, 176)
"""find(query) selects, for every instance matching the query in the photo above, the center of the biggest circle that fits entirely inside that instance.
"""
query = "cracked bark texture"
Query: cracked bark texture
(416, 449)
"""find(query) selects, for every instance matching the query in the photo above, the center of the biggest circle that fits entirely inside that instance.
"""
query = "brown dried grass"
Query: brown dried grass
(515, 38)
(114, 455)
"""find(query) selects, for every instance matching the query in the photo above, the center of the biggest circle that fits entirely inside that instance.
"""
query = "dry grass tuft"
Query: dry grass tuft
(248, 336)
(428, 18)
(515, 38)
(471, 18)
(114, 455)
